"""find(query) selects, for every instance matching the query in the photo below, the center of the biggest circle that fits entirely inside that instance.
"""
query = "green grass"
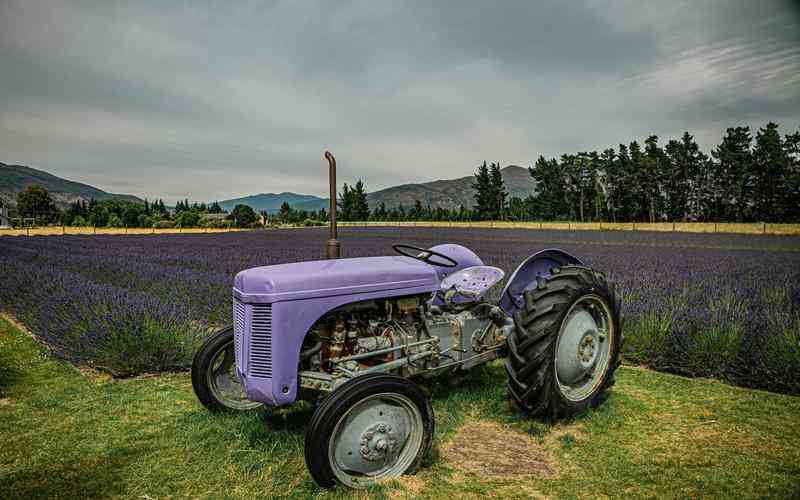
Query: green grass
(69, 434)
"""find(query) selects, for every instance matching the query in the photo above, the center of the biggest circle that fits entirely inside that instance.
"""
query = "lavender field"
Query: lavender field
(723, 306)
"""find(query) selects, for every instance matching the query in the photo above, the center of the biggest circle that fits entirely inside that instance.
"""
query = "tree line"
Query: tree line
(35, 204)
(745, 178)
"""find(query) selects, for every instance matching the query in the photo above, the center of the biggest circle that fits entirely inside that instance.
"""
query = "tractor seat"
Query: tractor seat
(469, 284)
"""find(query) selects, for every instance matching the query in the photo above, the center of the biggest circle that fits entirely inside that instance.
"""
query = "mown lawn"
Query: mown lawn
(69, 434)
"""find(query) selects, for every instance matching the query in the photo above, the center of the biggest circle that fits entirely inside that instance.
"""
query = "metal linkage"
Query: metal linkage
(379, 352)
(385, 367)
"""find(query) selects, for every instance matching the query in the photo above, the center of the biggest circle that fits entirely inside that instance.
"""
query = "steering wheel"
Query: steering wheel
(425, 255)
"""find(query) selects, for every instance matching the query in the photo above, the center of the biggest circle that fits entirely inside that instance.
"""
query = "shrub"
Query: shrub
(187, 219)
(164, 224)
(114, 221)
(213, 222)
(145, 221)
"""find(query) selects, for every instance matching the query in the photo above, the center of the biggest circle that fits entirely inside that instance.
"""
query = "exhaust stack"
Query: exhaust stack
(332, 246)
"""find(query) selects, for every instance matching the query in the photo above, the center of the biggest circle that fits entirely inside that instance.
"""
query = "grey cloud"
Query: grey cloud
(211, 100)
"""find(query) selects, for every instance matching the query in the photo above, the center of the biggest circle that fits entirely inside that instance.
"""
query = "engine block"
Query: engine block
(407, 336)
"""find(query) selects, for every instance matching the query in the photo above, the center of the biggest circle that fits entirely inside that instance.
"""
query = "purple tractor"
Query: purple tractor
(355, 335)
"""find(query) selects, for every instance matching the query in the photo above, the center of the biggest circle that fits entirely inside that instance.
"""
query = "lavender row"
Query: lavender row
(122, 331)
(726, 306)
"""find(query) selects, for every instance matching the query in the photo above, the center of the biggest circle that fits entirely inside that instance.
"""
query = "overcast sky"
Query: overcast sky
(213, 101)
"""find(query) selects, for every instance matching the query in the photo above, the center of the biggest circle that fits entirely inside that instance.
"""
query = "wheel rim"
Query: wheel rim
(224, 381)
(377, 438)
(583, 348)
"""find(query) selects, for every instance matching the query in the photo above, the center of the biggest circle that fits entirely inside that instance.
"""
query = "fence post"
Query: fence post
(764, 228)
(715, 227)
(63, 230)
(673, 226)
(569, 226)
(634, 225)
(27, 231)
(94, 229)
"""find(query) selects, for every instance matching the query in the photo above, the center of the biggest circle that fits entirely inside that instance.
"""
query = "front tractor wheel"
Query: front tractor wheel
(373, 427)
(565, 346)
(214, 377)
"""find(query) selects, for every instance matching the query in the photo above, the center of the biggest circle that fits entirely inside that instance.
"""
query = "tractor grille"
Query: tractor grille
(260, 362)
(238, 329)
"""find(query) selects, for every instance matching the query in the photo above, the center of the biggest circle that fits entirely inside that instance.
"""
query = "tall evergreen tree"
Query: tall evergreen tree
(550, 200)
(770, 165)
(285, 213)
(733, 176)
(360, 207)
(791, 199)
(345, 203)
(483, 192)
(498, 193)
(652, 178)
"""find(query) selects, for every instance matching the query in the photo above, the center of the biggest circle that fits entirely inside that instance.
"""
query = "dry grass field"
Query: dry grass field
(62, 230)
(677, 227)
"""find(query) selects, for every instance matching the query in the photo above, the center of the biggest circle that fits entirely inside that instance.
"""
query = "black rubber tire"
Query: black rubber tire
(201, 364)
(530, 363)
(327, 414)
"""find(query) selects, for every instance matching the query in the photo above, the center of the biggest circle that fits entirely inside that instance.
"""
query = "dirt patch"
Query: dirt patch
(6, 402)
(492, 450)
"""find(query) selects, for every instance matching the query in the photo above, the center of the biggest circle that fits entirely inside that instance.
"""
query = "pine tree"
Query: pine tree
(771, 165)
(604, 181)
(677, 185)
(498, 193)
(791, 145)
(345, 203)
(733, 176)
(360, 206)
(483, 192)
(285, 213)
(652, 178)
(550, 199)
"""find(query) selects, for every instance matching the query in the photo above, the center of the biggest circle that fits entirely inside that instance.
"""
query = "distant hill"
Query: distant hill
(15, 178)
(271, 202)
(451, 193)
(448, 193)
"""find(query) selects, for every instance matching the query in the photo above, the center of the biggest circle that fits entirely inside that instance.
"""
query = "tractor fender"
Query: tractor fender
(524, 276)
(291, 320)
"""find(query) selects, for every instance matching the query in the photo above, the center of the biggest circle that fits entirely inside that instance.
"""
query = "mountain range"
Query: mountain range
(446, 193)
(272, 202)
(15, 178)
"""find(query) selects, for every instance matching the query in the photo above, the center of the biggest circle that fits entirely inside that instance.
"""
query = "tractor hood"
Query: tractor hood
(328, 278)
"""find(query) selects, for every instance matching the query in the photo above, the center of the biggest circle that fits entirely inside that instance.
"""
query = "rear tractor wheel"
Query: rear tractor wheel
(566, 342)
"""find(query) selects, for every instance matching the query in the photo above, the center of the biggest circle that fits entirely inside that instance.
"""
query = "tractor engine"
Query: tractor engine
(408, 336)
